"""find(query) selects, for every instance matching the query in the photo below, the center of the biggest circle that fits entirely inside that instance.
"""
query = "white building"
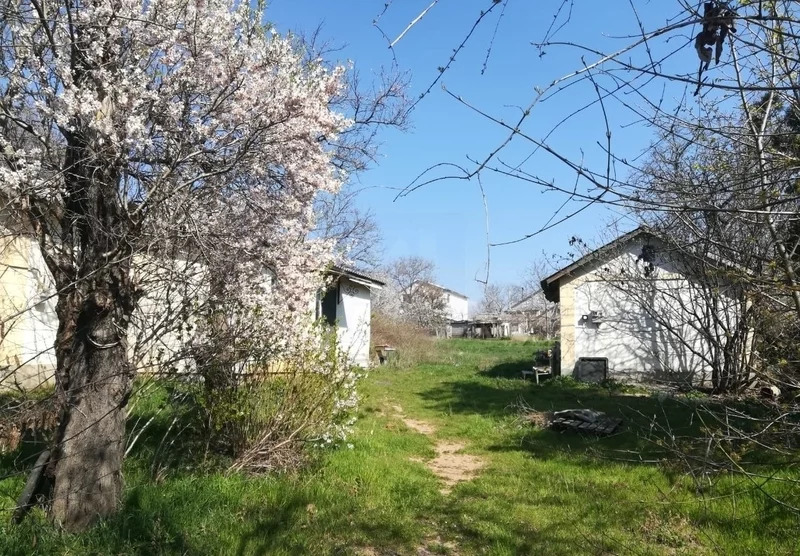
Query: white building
(634, 308)
(457, 305)
(347, 305)
(28, 320)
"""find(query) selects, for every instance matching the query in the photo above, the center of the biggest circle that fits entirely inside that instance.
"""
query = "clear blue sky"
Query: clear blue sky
(445, 221)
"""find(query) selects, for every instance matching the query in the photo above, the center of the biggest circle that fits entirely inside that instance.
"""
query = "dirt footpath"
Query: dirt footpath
(450, 465)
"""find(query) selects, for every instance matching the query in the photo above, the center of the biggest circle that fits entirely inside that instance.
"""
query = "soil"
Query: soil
(450, 465)
(453, 467)
(420, 426)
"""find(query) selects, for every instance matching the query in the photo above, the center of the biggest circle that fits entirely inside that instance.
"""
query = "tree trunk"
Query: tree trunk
(91, 263)
(95, 381)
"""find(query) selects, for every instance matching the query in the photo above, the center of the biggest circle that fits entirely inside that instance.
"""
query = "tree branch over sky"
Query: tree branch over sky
(680, 115)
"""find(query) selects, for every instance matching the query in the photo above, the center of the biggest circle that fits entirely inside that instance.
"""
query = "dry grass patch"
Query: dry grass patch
(413, 344)
(674, 534)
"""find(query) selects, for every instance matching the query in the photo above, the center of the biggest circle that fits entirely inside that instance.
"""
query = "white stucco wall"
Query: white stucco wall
(353, 318)
(457, 307)
(157, 335)
(650, 328)
(162, 325)
(27, 314)
(29, 319)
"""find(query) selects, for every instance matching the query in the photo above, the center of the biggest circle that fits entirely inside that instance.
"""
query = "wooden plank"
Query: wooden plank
(602, 427)
(33, 486)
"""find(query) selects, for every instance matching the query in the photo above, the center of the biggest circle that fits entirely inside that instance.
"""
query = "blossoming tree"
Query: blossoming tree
(129, 127)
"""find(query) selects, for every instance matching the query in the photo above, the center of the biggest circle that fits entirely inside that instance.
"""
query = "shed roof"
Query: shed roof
(357, 276)
(527, 303)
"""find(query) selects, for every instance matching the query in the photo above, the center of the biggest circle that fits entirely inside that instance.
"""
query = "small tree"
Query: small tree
(411, 294)
(499, 298)
(407, 272)
(426, 306)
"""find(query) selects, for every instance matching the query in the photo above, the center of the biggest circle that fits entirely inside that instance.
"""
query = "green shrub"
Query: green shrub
(268, 412)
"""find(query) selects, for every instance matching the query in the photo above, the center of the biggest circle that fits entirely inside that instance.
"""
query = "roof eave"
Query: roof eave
(358, 277)
(551, 290)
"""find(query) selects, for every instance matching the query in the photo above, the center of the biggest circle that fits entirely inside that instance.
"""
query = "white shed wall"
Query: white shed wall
(649, 328)
(353, 316)
(29, 321)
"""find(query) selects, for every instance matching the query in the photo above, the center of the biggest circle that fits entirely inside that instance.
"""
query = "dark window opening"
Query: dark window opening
(329, 302)
(648, 258)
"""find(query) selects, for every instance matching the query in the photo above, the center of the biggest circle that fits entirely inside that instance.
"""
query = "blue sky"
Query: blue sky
(445, 221)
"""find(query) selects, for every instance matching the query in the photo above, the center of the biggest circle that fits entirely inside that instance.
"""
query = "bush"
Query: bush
(271, 410)
(413, 344)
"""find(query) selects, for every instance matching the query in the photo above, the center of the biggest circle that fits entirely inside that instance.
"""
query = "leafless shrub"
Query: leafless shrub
(414, 345)
(266, 412)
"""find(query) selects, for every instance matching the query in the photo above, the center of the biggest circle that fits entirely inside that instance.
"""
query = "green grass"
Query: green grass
(541, 492)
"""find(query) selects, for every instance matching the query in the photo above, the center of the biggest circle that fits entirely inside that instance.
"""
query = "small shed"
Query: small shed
(635, 310)
(489, 325)
(347, 304)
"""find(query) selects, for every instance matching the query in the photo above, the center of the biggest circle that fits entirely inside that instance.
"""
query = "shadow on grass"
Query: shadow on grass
(508, 369)
(586, 528)
(291, 529)
(272, 531)
(499, 392)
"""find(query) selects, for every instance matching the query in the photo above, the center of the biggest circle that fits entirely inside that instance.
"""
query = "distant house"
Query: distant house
(451, 307)
(456, 304)
(534, 315)
(347, 305)
(634, 309)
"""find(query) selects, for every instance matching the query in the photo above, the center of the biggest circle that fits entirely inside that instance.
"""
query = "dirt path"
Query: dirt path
(450, 465)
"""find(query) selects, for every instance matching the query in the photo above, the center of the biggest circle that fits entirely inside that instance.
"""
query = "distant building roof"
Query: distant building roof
(446, 290)
(527, 303)
(489, 317)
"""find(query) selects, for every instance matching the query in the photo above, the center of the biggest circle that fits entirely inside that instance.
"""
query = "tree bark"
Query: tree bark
(91, 264)
(95, 383)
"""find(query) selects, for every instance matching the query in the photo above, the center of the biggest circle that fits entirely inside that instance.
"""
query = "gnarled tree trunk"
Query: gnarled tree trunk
(95, 383)
(91, 264)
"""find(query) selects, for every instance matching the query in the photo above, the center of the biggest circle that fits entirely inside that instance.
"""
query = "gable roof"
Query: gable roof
(550, 285)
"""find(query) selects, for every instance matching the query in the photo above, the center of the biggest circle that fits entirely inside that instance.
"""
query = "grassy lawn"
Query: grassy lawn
(539, 491)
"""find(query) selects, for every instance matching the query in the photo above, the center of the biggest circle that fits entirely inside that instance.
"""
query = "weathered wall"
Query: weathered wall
(650, 327)
(160, 329)
(568, 322)
(353, 316)
(457, 307)
(164, 325)
(28, 321)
